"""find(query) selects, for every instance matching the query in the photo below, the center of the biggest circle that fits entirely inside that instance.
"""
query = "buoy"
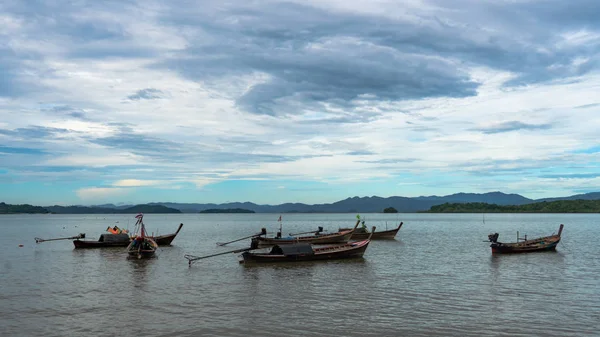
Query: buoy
(21, 245)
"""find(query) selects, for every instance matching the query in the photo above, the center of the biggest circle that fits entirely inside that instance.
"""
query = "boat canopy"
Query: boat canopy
(114, 238)
(295, 249)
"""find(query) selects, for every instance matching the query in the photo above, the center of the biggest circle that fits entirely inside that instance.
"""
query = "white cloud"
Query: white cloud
(138, 183)
(93, 161)
(100, 193)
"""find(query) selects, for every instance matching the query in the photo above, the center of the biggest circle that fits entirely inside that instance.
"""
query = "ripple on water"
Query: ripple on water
(437, 279)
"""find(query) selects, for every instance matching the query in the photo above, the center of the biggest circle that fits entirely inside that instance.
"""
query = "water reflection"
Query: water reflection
(139, 271)
(417, 285)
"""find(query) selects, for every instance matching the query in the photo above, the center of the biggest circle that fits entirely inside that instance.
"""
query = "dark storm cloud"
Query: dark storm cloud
(315, 55)
(314, 58)
(310, 56)
(80, 28)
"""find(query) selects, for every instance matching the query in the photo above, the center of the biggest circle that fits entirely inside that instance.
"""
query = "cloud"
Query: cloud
(34, 132)
(137, 183)
(19, 150)
(100, 193)
(149, 93)
(571, 176)
(347, 95)
(512, 126)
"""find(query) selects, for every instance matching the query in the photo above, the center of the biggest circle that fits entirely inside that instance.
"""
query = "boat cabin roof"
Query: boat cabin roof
(114, 238)
(295, 249)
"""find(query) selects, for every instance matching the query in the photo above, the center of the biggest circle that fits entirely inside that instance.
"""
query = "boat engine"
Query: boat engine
(493, 237)
(254, 243)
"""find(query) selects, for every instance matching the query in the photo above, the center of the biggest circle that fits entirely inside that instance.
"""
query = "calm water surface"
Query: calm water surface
(438, 278)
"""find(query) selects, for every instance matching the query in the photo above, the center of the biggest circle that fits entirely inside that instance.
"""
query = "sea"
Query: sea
(437, 278)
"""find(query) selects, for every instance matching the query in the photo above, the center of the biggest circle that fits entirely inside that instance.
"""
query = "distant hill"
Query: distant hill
(227, 210)
(372, 204)
(498, 198)
(586, 196)
(145, 208)
(560, 206)
(24, 208)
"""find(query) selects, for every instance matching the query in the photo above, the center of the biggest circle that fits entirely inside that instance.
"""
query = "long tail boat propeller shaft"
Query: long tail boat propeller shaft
(263, 231)
(80, 236)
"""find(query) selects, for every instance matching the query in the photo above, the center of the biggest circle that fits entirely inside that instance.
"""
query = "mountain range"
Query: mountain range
(372, 204)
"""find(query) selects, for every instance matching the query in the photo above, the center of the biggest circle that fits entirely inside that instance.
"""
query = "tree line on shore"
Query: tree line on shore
(560, 206)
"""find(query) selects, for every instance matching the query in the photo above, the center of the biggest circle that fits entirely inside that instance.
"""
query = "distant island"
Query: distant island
(390, 210)
(475, 202)
(562, 206)
(227, 210)
(24, 208)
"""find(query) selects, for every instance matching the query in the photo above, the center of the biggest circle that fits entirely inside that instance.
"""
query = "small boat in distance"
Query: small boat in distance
(141, 246)
(545, 243)
(318, 238)
(307, 252)
(362, 233)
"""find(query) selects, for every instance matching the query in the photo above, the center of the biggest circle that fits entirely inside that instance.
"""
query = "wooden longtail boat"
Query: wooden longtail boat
(141, 246)
(362, 233)
(123, 240)
(308, 252)
(338, 237)
(532, 245)
(165, 240)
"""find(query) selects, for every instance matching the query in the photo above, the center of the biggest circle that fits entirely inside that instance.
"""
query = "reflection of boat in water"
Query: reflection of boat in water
(307, 252)
(142, 246)
(545, 243)
(120, 238)
(362, 233)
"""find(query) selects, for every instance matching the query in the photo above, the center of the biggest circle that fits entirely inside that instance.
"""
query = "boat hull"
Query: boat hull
(382, 235)
(337, 252)
(508, 249)
(142, 248)
(118, 240)
(547, 243)
(97, 244)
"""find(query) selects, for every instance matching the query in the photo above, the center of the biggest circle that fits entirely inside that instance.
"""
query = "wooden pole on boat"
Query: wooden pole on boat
(80, 236)
(192, 258)
(319, 230)
(280, 229)
(372, 231)
(560, 229)
(262, 232)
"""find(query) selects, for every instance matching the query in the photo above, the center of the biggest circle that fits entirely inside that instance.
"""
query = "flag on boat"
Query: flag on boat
(279, 218)
(358, 216)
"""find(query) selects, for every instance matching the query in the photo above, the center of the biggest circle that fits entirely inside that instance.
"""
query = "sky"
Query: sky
(296, 101)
